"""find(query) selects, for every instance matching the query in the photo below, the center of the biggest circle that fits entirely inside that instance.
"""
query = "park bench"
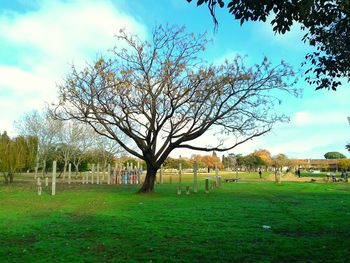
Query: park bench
(235, 180)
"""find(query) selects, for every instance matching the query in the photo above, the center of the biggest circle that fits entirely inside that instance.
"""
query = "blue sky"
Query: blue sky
(39, 39)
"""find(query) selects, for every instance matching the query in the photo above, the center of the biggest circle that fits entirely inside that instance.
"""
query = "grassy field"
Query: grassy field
(309, 222)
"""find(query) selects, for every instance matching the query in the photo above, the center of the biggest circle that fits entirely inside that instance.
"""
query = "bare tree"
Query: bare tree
(162, 96)
(74, 139)
(43, 127)
(84, 140)
(107, 148)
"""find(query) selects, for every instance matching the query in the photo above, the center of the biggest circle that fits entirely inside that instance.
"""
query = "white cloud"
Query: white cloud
(308, 135)
(67, 28)
(8, 108)
(45, 41)
(302, 145)
(23, 83)
(21, 91)
(303, 118)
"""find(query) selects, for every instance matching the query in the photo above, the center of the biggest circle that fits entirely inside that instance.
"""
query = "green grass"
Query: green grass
(83, 223)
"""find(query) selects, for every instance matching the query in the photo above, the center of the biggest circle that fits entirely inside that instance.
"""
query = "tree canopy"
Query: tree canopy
(327, 27)
(280, 160)
(347, 147)
(16, 154)
(265, 155)
(344, 164)
(207, 161)
(252, 161)
(162, 96)
(334, 155)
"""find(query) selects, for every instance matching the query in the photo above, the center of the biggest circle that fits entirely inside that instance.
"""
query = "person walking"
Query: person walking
(344, 175)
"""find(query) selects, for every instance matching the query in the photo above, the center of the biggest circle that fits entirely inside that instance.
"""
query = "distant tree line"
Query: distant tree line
(16, 155)
(203, 161)
(42, 139)
(259, 159)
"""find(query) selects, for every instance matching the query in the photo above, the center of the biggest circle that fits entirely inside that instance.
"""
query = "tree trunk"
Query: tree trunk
(11, 177)
(64, 170)
(44, 168)
(76, 170)
(6, 178)
(148, 184)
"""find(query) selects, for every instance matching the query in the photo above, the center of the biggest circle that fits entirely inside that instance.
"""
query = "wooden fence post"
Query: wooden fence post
(98, 174)
(53, 183)
(206, 185)
(180, 179)
(39, 185)
(92, 173)
(69, 172)
(109, 174)
(195, 183)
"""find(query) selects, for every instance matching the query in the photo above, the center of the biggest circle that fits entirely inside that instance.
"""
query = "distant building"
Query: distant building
(316, 164)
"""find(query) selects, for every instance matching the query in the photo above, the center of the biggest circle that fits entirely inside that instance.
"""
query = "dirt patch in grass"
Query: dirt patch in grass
(292, 233)
(19, 241)
(290, 177)
(100, 248)
(344, 189)
(302, 233)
